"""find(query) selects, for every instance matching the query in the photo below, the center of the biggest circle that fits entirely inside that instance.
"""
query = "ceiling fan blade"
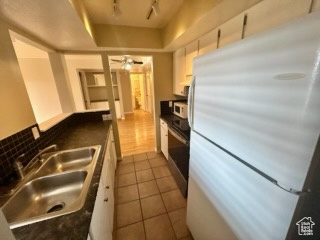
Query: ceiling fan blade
(116, 60)
(137, 62)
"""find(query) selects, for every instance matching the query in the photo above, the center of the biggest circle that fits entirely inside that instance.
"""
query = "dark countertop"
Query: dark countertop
(74, 225)
(180, 125)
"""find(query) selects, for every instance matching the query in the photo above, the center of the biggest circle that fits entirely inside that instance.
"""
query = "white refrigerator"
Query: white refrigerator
(254, 112)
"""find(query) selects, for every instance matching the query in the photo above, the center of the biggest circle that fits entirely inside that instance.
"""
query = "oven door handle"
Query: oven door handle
(172, 132)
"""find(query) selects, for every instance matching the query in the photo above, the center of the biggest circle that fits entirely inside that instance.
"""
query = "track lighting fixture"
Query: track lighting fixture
(154, 9)
(116, 9)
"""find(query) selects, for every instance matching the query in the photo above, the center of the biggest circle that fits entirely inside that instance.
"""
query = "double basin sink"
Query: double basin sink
(58, 187)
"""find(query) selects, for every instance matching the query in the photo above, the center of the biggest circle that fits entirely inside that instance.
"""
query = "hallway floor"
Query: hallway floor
(137, 133)
(149, 205)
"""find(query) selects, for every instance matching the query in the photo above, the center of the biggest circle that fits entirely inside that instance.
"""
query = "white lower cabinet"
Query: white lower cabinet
(164, 138)
(101, 226)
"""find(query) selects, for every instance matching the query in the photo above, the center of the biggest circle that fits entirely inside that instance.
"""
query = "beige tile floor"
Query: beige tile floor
(149, 205)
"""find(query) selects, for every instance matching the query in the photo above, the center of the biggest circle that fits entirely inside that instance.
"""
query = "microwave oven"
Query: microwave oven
(180, 109)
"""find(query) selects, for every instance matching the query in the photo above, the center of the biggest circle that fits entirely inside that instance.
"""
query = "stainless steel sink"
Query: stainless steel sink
(67, 160)
(50, 192)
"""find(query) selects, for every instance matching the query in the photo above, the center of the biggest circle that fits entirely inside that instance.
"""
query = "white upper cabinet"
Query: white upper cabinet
(262, 16)
(270, 13)
(231, 31)
(208, 42)
(316, 6)
(191, 53)
(179, 71)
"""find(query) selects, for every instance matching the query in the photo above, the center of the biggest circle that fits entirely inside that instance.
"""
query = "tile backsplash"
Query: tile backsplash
(23, 142)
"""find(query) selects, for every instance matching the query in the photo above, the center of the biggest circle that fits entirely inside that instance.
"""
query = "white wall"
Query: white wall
(126, 91)
(38, 77)
(15, 108)
(63, 86)
(73, 64)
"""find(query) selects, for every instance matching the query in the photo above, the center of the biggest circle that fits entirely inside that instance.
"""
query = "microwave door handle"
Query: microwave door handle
(178, 137)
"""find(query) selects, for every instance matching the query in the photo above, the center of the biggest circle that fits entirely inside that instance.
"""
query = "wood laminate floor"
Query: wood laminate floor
(137, 133)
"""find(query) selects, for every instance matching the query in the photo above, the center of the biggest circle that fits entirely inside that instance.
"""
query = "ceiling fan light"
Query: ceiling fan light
(127, 66)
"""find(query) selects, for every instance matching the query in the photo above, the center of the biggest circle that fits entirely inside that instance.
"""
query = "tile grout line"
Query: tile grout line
(167, 213)
(139, 197)
(144, 228)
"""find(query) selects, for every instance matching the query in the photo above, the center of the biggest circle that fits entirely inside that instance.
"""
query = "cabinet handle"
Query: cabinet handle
(107, 187)
(106, 200)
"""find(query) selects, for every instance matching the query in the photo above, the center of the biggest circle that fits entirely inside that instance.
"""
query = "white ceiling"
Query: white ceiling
(55, 22)
(133, 12)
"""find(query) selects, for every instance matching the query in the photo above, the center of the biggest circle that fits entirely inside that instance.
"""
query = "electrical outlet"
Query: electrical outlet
(170, 103)
(35, 133)
(106, 117)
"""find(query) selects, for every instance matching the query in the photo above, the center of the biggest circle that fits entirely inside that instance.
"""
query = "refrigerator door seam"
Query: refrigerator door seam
(264, 175)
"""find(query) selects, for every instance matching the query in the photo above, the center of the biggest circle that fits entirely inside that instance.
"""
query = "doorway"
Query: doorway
(136, 130)
(138, 91)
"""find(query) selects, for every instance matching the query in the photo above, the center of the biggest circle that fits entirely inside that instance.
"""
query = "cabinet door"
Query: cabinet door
(109, 197)
(316, 6)
(179, 71)
(100, 226)
(191, 53)
(164, 141)
(104, 171)
(270, 13)
(113, 153)
(108, 166)
(231, 31)
(208, 42)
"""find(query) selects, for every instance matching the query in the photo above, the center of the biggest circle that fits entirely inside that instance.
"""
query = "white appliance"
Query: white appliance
(180, 109)
(254, 111)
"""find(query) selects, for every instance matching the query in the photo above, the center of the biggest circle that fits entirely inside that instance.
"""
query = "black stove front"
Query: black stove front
(178, 148)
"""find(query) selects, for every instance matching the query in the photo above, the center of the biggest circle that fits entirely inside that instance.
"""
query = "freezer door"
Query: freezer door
(259, 99)
(252, 207)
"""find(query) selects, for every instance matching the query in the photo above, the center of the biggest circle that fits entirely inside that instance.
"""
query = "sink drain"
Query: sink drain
(57, 207)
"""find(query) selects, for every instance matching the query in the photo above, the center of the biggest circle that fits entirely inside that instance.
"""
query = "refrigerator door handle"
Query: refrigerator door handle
(191, 102)
(291, 190)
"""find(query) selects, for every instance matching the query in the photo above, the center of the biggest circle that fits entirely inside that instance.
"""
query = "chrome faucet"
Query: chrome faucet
(21, 171)
(38, 157)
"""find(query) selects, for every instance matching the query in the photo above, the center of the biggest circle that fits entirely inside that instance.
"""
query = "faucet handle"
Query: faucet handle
(21, 157)
(17, 165)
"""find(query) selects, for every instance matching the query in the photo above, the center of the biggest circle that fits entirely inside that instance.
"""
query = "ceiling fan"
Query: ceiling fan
(127, 62)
